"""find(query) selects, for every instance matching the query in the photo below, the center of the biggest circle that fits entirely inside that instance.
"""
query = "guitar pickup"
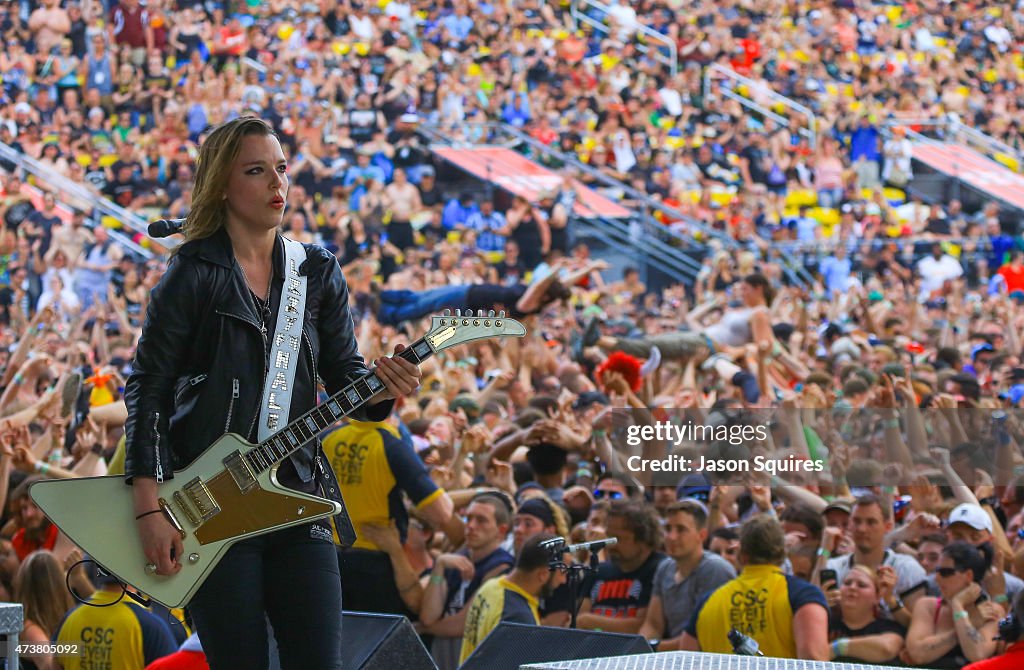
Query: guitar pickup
(240, 471)
(202, 499)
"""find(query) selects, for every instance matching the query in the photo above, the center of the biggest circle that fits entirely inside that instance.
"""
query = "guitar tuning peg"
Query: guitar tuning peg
(458, 312)
(447, 312)
(501, 314)
(490, 313)
(479, 312)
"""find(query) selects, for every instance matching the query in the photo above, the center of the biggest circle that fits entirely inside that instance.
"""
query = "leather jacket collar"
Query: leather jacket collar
(217, 249)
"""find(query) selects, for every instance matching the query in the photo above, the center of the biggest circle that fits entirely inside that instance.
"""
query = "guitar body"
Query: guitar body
(208, 503)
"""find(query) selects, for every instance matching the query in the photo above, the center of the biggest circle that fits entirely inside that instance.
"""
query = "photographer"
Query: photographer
(1011, 633)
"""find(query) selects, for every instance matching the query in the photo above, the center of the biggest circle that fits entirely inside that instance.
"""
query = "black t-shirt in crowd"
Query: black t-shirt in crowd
(97, 176)
(510, 273)
(756, 167)
(7, 165)
(159, 80)
(121, 192)
(45, 224)
(559, 601)
(938, 226)
(431, 197)
(619, 595)
(838, 629)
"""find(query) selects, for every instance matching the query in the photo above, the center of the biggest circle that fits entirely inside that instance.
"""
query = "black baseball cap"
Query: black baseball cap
(588, 398)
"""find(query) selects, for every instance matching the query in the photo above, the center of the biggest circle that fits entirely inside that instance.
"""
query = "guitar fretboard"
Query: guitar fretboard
(281, 444)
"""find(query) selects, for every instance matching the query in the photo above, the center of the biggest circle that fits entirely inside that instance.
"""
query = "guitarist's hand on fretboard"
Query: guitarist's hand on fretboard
(400, 376)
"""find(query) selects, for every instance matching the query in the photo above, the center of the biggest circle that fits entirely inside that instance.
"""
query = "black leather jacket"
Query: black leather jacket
(201, 362)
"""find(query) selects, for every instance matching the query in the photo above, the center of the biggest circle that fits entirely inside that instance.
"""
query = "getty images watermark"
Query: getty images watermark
(678, 435)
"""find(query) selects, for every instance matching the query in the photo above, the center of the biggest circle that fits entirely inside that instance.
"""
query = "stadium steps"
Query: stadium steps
(639, 240)
(954, 161)
(65, 188)
(693, 246)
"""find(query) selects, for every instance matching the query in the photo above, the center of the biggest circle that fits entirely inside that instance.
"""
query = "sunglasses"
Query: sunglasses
(947, 572)
(599, 494)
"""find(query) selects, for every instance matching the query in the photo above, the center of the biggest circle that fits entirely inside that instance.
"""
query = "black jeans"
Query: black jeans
(290, 576)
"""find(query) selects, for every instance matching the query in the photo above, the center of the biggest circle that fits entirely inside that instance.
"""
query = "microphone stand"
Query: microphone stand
(575, 573)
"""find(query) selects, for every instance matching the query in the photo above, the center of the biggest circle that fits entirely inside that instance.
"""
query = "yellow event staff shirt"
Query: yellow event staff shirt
(759, 603)
(124, 636)
(498, 600)
(374, 465)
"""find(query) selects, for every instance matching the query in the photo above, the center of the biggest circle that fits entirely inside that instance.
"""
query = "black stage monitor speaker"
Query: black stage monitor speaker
(511, 645)
(381, 642)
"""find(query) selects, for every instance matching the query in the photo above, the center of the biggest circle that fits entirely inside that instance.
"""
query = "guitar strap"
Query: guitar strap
(284, 361)
(285, 346)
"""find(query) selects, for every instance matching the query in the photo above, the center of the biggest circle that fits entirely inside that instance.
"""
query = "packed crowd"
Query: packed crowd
(94, 90)
(905, 546)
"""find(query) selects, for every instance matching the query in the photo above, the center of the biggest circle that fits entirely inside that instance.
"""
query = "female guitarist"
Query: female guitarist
(199, 372)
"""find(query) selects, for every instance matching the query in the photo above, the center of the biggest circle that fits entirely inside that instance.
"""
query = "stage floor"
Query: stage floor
(688, 660)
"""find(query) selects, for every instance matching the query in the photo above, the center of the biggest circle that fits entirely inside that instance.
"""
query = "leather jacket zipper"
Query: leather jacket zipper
(190, 384)
(312, 362)
(235, 392)
(156, 441)
(266, 363)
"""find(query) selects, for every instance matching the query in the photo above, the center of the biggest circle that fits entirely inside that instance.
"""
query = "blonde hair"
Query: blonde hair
(216, 157)
(868, 572)
(745, 262)
(39, 586)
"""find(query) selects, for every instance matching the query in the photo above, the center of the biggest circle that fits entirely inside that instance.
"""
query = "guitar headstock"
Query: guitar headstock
(450, 330)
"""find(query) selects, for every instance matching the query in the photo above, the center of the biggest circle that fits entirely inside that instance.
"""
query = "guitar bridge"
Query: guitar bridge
(179, 500)
(165, 506)
(201, 498)
(240, 471)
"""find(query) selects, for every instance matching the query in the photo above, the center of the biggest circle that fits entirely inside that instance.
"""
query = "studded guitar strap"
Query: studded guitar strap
(284, 349)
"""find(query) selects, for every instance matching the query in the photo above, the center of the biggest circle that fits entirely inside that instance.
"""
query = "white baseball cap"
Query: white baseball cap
(972, 515)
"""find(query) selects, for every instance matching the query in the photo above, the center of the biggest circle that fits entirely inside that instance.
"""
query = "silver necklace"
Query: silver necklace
(263, 309)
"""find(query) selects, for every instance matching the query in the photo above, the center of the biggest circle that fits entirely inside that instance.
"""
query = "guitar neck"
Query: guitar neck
(289, 439)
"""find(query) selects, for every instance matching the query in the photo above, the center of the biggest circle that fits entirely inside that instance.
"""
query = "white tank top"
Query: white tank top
(734, 328)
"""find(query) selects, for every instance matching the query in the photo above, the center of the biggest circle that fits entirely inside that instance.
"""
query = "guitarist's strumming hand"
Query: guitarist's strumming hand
(400, 377)
(161, 542)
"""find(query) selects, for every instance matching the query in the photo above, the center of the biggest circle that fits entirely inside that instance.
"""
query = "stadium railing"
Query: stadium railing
(720, 73)
(658, 46)
(101, 207)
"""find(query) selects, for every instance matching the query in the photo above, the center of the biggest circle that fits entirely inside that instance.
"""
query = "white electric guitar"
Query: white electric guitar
(231, 491)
